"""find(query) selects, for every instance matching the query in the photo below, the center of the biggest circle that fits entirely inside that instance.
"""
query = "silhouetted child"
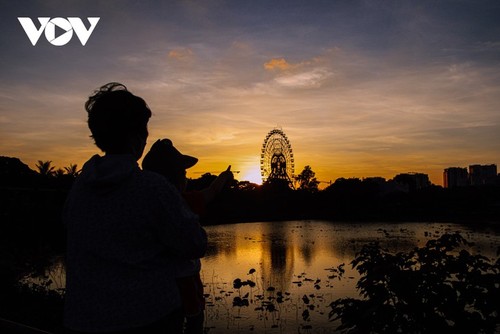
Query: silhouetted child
(166, 160)
(121, 222)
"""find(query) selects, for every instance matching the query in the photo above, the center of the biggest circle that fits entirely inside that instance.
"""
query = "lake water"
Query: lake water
(292, 259)
(287, 271)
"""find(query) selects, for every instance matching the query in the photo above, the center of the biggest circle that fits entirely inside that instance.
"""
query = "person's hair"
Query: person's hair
(115, 115)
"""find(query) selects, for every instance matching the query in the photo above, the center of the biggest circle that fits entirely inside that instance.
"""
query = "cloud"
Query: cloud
(488, 46)
(278, 64)
(281, 64)
(309, 73)
(309, 79)
(181, 54)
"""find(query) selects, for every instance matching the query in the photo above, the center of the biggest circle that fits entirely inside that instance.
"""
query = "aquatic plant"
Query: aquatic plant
(249, 303)
(438, 288)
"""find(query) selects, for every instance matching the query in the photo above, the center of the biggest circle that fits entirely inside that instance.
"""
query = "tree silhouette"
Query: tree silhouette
(438, 288)
(307, 180)
(72, 170)
(201, 183)
(59, 173)
(45, 168)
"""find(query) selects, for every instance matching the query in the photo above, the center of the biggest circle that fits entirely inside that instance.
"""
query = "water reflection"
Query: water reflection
(277, 257)
(281, 251)
(295, 258)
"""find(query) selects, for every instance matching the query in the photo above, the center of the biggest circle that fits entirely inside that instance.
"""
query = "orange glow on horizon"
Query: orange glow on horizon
(250, 171)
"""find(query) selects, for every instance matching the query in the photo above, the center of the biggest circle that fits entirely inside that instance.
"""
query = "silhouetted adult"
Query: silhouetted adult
(126, 229)
(166, 160)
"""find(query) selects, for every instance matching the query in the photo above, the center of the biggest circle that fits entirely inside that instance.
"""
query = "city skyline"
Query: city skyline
(361, 89)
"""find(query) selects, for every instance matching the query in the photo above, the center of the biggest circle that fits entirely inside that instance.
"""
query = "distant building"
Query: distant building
(455, 177)
(375, 179)
(482, 174)
(414, 181)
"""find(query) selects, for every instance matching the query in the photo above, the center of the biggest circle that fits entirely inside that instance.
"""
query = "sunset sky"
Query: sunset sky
(361, 88)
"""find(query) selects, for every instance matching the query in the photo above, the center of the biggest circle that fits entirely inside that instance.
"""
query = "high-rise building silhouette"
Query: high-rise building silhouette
(455, 177)
(482, 174)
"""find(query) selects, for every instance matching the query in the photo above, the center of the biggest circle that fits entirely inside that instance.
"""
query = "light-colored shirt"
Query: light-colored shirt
(126, 230)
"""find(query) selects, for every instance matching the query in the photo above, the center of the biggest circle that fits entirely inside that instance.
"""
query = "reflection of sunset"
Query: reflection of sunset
(297, 259)
(278, 259)
(308, 247)
(281, 251)
(249, 246)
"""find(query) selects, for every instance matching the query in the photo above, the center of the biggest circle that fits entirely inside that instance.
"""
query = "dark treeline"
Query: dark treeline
(32, 202)
(357, 200)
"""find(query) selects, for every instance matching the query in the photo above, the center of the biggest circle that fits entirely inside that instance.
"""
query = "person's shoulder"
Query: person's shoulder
(151, 176)
(155, 182)
(152, 179)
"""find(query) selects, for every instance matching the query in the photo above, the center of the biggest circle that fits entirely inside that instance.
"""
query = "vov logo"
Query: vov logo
(65, 28)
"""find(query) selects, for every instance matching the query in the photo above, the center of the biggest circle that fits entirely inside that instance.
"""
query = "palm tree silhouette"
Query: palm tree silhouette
(45, 168)
(72, 170)
(59, 173)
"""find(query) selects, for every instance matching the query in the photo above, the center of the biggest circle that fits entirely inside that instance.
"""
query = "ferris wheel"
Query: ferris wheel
(276, 159)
